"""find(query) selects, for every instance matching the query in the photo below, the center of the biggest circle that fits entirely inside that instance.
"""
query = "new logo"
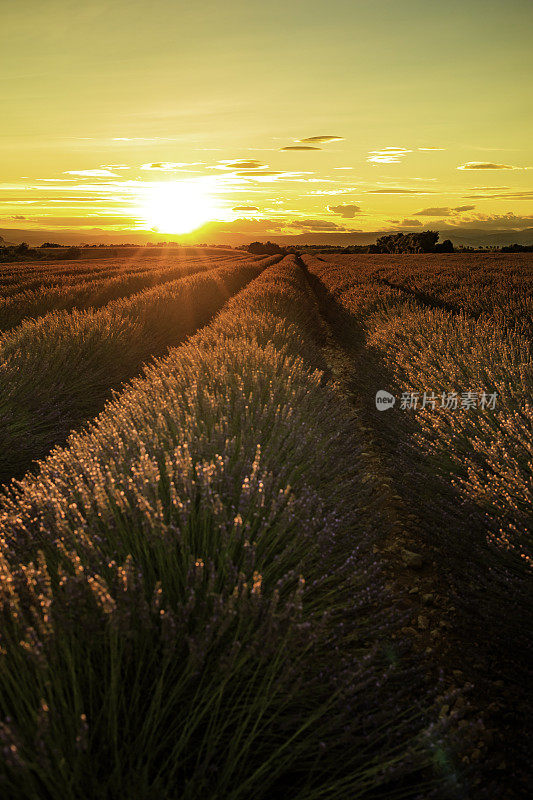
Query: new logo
(384, 400)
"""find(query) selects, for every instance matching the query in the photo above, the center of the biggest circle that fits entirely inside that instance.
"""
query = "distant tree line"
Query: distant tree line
(517, 248)
(414, 242)
(51, 251)
(419, 242)
(22, 252)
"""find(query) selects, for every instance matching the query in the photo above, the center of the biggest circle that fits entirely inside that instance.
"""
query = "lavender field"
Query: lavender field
(226, 571)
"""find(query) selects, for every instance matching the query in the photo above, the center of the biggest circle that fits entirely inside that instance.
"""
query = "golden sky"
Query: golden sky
(317, 119)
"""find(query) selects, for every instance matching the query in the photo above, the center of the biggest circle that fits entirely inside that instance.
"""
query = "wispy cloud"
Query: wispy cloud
(316, 225)
(323, 139)
(388, 155)
(399, 190)
(508, 221)
(264, 176)
(322, 192)
(434, 212)
(143, 139)
(245, 208)
(486, 165)
(300, 147)
(238, 163)
(526, 195)
(92, 173)
(431, 149)
(258, 173)
(443, 212)
(169, 166)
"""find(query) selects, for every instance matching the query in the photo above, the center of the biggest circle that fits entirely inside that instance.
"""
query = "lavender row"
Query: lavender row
(56, 372)
(191, 602)
(94, 289)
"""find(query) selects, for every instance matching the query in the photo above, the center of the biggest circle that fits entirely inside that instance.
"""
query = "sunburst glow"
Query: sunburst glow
(177, 206)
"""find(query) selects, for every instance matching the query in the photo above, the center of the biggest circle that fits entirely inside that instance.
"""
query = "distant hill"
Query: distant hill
(469, 237)
(35, 237)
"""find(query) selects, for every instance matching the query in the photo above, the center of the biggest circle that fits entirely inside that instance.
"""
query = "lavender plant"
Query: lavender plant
(191, 603)
(57, 371)
(465, 471)
(92, 289)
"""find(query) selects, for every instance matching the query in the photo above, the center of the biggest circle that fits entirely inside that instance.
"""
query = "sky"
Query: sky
(319, 120)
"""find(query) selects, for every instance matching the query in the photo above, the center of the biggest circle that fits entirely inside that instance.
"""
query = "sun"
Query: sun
(177, 206)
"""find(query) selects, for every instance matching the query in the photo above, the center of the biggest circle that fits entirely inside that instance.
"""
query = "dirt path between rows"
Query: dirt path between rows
(421, 578)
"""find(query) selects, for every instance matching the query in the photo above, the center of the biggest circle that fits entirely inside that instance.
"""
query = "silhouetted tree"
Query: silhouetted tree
(517, 248)
(420, 242)
(444, 247)
(265, 248)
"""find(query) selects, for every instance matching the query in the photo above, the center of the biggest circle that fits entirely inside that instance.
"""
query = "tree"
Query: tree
(420, 242)
(265, 248)
(444, 247)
